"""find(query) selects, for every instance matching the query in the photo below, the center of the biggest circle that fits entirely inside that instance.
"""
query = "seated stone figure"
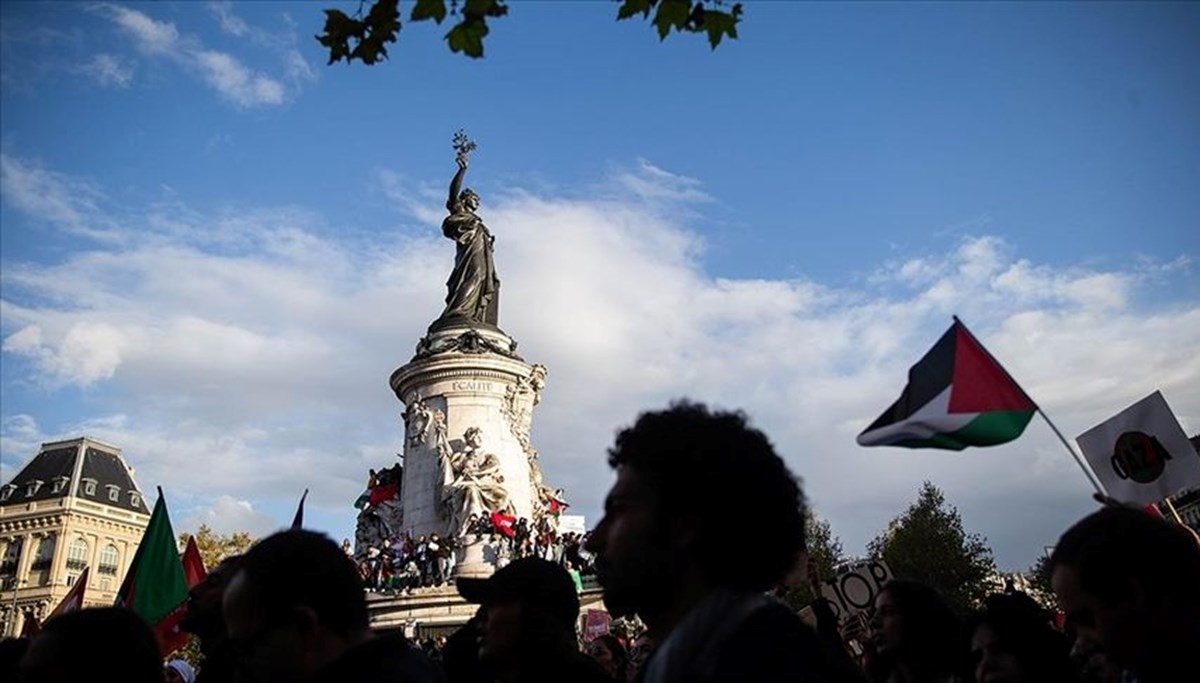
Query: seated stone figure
(472, 483)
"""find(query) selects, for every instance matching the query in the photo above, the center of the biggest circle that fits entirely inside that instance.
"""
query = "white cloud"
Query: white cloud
(227, 515)
(227, 74)
(263, 371)
(71, 204)
(230, 22)
(108, 70)
(236, 83)
(152, 37)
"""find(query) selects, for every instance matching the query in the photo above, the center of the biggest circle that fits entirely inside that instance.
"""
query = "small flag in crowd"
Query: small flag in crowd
(155, 586)
(957, 396)
(503, 523)
(1141, 454)
(73, 600)
(193, 564)
(298, 519)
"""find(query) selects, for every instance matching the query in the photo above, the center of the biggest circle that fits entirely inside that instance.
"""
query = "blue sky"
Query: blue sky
(215, 248)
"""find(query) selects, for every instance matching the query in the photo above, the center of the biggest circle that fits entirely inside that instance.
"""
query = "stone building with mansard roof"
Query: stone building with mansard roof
(73, 505)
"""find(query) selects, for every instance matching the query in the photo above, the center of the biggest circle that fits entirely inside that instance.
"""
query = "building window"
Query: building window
(12, 554)
(7, 491)
(32, 487)
(108, 560)
(89, 487)
(114, 492)
(135, 499)
(106, 583)
(77, 554)
(45, 554)
(60, 483)
(71, 578)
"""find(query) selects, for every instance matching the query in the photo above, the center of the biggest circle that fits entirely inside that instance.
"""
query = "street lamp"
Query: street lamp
(12, 615)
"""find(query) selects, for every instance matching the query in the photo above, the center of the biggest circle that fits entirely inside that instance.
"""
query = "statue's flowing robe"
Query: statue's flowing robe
(473, 289)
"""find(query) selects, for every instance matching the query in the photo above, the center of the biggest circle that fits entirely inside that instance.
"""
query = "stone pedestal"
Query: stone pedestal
(463, 377)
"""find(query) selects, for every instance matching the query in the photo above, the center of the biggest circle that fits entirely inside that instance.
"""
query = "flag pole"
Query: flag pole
(1078, 459)
(1174, 512)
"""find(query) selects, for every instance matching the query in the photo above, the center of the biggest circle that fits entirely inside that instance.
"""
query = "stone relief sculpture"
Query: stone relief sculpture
(519, 400)
(473, 289)
(417, 421)
(471, 483)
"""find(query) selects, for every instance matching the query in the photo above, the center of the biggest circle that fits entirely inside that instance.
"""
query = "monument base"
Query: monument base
(477, 558)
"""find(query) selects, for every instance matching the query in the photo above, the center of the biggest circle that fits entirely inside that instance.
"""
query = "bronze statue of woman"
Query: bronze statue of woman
(473, 290)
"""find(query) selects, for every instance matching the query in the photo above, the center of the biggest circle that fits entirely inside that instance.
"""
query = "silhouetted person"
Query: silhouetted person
(204, 621)
(528, 632)
(610, 654)
(296, 612)
(658, 548)
(915, 636)
(96, 644)
(11, 652)
(1012, 641)
(1129, 585)
(460, 655)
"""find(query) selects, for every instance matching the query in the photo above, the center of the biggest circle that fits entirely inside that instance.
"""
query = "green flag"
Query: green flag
(155, 586)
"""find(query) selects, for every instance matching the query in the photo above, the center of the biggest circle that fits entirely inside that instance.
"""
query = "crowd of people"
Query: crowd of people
(404, 564)
(293, 609)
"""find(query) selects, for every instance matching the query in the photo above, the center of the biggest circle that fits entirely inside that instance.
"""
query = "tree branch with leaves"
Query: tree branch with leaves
(364, 36)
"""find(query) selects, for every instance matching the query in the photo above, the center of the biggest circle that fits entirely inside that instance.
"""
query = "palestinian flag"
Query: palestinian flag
(957, 396)
(155, 586)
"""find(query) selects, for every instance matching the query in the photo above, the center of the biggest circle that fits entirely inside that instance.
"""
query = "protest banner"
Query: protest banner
(855, 588)
(595, 624)
(1141, 454)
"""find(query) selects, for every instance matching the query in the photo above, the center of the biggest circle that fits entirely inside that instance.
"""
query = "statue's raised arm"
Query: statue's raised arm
(452, 201)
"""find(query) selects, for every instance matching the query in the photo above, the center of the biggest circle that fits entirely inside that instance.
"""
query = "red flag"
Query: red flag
(383, 493)
(504, 523)
(193, 565)
(73, 600)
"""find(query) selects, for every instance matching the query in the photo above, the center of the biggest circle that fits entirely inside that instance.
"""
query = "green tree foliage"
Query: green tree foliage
(928, 544)
(824, 551)
(1040, 588)
(214, 547)
(365, 35)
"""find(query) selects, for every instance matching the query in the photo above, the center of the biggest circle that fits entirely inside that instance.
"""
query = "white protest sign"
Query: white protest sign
(855, 588)
(572, 524)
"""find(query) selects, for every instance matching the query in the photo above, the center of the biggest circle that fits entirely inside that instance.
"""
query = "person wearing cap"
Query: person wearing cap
(708, 611)
(179, 671)
(530, 609)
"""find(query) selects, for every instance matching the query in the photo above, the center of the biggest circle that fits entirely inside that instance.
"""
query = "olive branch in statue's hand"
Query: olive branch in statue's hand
(463, 146)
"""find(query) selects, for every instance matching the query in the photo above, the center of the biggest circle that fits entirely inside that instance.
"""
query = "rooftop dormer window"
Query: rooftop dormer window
(135, 499)
(114, 492)
(89, 486)
(32, 487)
(59, 484)
(7, 491)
